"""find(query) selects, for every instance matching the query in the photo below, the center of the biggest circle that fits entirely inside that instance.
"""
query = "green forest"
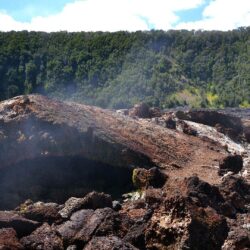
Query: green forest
(116, 70)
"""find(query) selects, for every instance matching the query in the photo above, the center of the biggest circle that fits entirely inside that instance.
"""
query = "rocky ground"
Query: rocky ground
(187, 173)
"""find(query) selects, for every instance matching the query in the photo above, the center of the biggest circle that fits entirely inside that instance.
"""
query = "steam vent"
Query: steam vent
(80, 177)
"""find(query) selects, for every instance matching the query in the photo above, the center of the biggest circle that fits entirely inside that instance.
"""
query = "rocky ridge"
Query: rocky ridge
(191, 187)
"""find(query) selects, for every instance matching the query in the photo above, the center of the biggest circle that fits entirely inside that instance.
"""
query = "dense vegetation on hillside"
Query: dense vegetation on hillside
(166, 69)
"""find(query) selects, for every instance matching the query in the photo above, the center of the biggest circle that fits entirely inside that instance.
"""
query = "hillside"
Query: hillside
(116, 70)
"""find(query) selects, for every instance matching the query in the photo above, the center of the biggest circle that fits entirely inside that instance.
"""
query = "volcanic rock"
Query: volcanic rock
(185, 219)
(40, 211)
(170, 122)
(140, 110)
(143, 178)
(44, 237)
(8, 240)
(71, 205)
(225, 123)
(21, 225)
(188, 130)
(233, 163)
(44, 128)
(82, 225)
(107, 243)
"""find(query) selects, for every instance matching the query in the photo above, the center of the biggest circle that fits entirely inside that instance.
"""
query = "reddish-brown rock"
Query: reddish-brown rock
(40, 211)
(8, 240)
(44, 237)
(143, 178)
(34, 126)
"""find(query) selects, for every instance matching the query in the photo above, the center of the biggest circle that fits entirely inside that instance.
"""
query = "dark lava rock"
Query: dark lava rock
(233, 163)
(82, 225)
(136, 236)
(153, 196)
(92, 200)
(170, 123)
(44, 237)
(143, 178)
(236, 191)
(180, 224)
(40, 211)
(237, 240)
(140, 110)
(8, 240)
(108, 243)
(228, 124)
(96, 200)
(71, 205)
(21, 225)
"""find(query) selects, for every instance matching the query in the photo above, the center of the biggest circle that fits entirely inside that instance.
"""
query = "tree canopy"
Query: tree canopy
(116, 70)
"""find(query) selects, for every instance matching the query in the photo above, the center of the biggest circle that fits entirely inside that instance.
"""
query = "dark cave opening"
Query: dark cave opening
(55, 179)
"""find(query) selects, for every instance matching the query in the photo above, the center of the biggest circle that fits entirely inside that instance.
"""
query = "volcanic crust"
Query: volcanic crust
(188, 172)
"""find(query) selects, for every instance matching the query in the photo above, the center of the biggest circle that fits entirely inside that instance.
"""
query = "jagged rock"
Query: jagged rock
(82, 225)
(136, 235)
(140, 110)
(143, 178)
(71, 205)
(40, 211)
(236, 192)
(107, 243)
(180, 225)
(233, 163)
(155, 112)
(170, 122)
(96, 200)
(92, 200)
(228, 124)
(21, 225)
(44, 237)
(8, 240)
(239, 235)
(153, 196)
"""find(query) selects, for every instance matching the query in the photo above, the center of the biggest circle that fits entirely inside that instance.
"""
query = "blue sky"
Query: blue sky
(24, 10)
(113, 15)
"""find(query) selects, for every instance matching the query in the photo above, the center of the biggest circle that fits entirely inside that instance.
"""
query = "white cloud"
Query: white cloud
(222, 15)
(106, 15)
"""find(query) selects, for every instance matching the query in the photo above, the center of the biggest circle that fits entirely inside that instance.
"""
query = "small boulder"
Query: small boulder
(44, 237)
(140, 110)
(92, 200)
(170, 123)
(40, 211)
(71, 205)
(143, 178)
(8, 240)
(96, 200)
(233, 163)
(83, 224)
